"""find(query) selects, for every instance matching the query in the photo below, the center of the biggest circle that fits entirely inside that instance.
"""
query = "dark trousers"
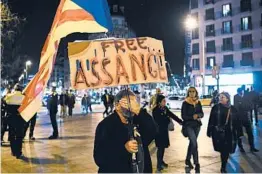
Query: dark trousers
(70, 111)
(224, 157)
(160, 156)
(54, 123)
(16, 131)
(4, 124)
(192, 147)
(106, 109)
(256, 114)
(111, 106)
(31, 122)
(250, 135)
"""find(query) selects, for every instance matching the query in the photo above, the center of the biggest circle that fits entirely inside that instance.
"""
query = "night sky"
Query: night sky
(161, 19)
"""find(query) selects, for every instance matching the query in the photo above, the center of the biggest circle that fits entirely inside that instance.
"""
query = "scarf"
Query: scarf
(192, 101)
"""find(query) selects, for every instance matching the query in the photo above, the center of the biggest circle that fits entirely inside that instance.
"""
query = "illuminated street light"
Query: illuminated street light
(191, 23)
(28, 63)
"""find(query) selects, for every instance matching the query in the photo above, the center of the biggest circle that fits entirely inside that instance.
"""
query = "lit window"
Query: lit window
(246, 23)
(227, 25)
(226, 9)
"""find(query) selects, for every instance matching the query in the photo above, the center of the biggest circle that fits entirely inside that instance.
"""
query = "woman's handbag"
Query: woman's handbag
(171, 125)
(220, 130)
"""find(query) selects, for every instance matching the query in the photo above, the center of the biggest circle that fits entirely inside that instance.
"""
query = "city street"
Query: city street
(73, 151)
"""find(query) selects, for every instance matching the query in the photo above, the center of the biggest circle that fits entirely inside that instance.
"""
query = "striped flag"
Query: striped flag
(85, 16)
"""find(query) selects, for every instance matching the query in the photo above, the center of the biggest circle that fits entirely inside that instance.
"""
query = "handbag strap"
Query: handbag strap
(228, 113)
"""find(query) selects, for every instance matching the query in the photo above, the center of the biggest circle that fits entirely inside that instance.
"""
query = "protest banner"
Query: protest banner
(114, 62)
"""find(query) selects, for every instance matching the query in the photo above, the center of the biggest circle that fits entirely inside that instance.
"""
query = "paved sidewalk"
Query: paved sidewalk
(73, 151)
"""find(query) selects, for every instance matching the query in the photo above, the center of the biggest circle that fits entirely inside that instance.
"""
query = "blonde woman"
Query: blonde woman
(191, 114)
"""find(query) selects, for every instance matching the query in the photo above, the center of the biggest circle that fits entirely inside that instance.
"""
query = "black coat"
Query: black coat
(110, 154)
(233, 131)
(242, 107)
(105, 100)
(52, 102)
(162, 118)
(63, 99)
(71, 100)
(187, 112)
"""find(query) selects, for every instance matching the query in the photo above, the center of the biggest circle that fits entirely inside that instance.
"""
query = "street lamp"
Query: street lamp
(191, 23)
(27, 65)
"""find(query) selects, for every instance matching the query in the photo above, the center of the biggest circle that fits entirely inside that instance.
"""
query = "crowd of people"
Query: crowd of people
(123, 136)
(225, 127)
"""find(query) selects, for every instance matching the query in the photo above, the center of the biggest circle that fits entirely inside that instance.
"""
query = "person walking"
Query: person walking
(86, 104)
(71, 103)
(224, 127)
(162, 116)
(31, 123)
(106, 100)
(255, 102)
(63, 101)
(113, 148)
(153, 99)
(111, 102)
(52, 107)
(242, 105)
(192, 113)
(4, 116)
(16, 122)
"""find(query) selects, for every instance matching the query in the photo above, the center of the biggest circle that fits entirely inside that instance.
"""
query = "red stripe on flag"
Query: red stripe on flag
(75, 15)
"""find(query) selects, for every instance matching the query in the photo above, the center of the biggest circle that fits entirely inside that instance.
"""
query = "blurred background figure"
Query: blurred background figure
(63, 101)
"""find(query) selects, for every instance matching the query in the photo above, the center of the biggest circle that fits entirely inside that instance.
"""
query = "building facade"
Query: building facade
(229, 38)
(120, 26)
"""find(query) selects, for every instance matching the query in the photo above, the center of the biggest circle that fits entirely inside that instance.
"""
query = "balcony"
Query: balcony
(209, 17)
(228, 64)
(247, 62)
(227, 48)
(230, 31)
(211, 33)
(244, 45)
(209, 2)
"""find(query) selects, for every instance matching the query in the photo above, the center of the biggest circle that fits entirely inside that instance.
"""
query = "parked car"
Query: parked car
(205, 100)
(175, 102)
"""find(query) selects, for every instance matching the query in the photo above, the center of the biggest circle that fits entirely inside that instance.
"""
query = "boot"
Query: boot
(242, 149)
(223, 170)
(164, 165)
(253, 149)
(189, 164)
(197, 168)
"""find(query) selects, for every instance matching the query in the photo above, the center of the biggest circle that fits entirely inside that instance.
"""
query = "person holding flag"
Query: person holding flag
(92, 16)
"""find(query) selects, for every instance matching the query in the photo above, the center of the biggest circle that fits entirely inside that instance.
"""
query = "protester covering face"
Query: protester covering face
(125, 99)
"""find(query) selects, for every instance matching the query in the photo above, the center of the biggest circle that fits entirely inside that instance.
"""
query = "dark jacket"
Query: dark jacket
(52, 102)
(111, 135)
(3, 107)
(86, 101)
(162, 118)
(242, 108)
(105, 100)
(187, 112)
(71, 100)
(233, 131)
(63, 99)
